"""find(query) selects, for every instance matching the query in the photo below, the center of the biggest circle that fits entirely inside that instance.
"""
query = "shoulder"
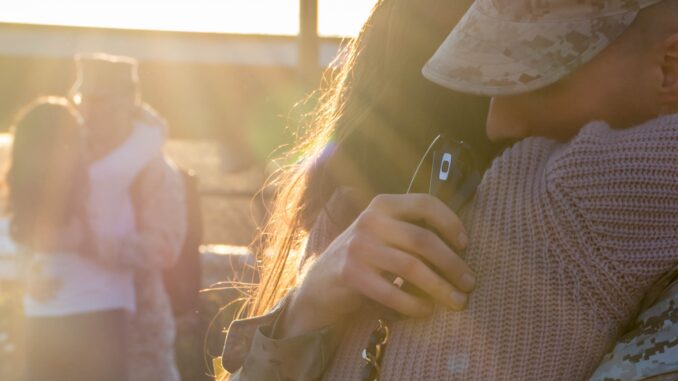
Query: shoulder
(528, 151)
(599, 138)
(518, 168)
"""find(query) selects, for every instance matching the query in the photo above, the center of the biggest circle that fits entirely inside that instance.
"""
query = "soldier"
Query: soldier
(108, 95)
(649, 349)
(555, 65)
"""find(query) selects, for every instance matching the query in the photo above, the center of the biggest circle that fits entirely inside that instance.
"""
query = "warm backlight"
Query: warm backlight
(336, 17)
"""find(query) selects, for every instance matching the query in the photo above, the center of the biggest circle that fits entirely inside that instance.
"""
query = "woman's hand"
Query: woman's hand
(385, 239)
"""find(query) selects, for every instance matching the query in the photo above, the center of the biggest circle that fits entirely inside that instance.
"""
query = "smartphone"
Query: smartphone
(454, 177)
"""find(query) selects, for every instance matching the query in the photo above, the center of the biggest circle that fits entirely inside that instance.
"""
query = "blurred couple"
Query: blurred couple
(98, 212)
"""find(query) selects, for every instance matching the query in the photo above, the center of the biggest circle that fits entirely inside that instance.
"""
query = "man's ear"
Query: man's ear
(670, 70)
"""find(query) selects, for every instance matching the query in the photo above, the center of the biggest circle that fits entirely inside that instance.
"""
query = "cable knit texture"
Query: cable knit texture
(565, 240)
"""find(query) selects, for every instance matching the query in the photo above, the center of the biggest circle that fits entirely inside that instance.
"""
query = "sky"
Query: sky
(336, 17)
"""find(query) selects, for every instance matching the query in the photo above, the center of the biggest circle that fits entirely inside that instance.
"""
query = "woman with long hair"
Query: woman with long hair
(69, 214)
(558, 234)
(374, 120)
(75, 317)
(43, 197)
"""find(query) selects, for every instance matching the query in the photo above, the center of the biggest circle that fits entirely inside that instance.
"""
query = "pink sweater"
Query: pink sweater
(566, 239)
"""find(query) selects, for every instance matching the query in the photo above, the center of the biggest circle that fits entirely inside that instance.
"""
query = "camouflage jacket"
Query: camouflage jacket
(649, 349)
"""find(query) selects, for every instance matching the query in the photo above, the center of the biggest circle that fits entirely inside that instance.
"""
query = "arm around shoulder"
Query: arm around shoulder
(160, 205)
(253, 351)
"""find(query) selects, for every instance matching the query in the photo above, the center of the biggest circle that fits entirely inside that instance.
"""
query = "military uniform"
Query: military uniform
(649, 350)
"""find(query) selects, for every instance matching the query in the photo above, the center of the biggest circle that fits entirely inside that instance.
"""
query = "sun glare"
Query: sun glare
(278, 17)
(342, 17)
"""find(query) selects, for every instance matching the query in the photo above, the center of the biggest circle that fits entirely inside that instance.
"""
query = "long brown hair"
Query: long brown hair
(375, 117)
(45, 180)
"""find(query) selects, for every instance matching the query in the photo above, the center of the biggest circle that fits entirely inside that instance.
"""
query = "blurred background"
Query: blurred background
(233, 78)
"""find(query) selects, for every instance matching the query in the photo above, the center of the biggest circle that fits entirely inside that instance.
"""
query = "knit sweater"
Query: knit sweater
(565, 241)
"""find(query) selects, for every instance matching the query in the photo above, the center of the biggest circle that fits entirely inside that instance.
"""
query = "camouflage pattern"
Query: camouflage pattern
(649, 350)
(503, 47)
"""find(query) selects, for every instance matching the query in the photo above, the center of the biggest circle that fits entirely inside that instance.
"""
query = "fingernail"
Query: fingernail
(462, 240)
(468, 281)
(458, 299)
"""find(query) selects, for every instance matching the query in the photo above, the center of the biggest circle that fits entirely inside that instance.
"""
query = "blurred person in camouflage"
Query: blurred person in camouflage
(107, 94)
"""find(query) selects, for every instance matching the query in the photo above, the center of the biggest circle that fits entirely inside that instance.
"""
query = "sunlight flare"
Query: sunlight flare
(272, 17)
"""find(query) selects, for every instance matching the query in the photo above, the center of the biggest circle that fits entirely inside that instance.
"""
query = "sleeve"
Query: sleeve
(161, 222)
(616, 193)
(251, 351)
(649, 348)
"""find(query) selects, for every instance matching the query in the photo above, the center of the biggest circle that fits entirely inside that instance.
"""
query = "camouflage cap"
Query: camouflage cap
(105, 74)
(503, 47)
